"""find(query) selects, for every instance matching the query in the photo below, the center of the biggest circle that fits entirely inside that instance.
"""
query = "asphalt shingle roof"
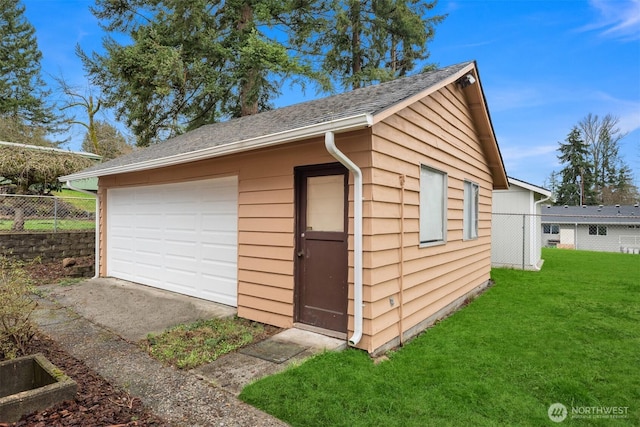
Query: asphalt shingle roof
(623, 214)
(368, 100)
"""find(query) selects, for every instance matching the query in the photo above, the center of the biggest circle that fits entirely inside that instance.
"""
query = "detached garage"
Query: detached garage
(365, 215)
(181, 237)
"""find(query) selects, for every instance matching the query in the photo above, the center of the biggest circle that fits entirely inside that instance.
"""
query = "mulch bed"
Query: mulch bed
(97, 403)
(45, 273)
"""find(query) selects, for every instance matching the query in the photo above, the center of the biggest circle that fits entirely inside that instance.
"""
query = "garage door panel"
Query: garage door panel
(219, 238)
(179, 237)
(222, 270)
(219, 222)
(218, 253)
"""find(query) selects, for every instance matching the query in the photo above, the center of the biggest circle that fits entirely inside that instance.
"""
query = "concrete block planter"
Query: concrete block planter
(31, 383)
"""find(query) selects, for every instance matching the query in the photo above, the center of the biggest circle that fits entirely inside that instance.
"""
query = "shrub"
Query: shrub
(16, 328)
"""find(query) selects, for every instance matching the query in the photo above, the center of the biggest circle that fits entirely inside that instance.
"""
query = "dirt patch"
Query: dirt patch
(47, 273)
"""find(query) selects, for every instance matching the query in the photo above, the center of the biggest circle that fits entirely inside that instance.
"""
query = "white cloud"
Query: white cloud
(616, 19)
(630, 122)
(628, 112)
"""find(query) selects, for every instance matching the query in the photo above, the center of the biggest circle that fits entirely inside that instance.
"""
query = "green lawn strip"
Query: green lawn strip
(569, 333)
(83, 201)
(188, 346)
(50, 224)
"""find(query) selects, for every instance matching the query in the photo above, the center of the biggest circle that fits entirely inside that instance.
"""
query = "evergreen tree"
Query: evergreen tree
(551, 182)
(621, 190)
(575, 187)
(612, 179)
(369, 41)
(190, 62)
(12, 129)
(22, 95)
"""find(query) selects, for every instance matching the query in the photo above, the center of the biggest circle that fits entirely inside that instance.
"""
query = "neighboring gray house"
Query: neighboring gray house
(515, 228)
(593, 228)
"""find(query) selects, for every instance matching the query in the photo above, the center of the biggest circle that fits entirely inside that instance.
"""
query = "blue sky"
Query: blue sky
(544, 65)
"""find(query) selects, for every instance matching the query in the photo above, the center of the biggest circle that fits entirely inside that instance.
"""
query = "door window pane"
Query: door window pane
(325, 203)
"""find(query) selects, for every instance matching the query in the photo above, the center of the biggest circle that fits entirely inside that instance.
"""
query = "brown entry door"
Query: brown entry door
(321, 246)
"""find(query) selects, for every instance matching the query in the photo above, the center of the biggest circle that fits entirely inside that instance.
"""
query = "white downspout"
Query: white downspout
(330, 145)
(97, 250)
(535, 213)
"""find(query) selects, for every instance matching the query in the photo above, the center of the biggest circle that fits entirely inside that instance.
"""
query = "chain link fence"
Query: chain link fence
(517, 239)
(23, 213)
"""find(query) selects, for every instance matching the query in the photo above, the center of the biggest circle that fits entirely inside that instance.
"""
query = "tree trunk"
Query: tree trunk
(356, 58)
(248, 96)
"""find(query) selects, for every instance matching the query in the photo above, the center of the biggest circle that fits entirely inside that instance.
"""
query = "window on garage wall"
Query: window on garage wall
(433, 206)
(470, 219)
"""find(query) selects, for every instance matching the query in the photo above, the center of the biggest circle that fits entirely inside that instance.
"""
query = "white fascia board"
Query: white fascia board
(530, 187)
(346, 124)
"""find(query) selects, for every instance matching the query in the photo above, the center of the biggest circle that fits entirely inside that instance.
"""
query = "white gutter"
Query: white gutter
(339, 125)
(330, 144)
(97, 249)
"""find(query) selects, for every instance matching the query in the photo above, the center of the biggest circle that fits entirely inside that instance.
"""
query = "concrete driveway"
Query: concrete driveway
(84, 316)
(131, 310)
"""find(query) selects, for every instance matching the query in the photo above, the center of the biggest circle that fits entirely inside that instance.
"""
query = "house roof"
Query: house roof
(357, 109)
(52, 149)
(620, 214)
(531, 187)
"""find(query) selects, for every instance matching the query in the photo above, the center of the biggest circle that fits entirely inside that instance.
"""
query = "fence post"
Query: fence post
(55, 214)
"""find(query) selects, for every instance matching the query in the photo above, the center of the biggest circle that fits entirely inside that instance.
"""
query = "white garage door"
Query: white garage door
(180, 237)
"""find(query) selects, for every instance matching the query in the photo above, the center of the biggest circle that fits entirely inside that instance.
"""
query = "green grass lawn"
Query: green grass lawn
(48, 224)
(569, 334)
(80, 200)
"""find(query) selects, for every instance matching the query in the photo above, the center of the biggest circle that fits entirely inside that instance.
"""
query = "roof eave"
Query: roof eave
(480, 112)
(530, 187)
(393, 109)
(346, 124)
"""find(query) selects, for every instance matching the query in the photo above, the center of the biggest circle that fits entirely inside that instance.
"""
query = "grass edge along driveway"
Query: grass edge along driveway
(569, 334)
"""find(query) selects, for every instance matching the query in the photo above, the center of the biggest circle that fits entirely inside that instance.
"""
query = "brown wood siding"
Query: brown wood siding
(265, 216)
(438, 132)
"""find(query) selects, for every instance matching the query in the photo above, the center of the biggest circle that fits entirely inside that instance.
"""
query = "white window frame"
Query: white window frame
(470, 210)
(553, 229)
(600, 230)
(433, 206)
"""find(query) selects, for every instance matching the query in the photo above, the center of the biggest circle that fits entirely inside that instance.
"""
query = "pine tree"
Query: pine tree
(191, 62)
(575, 187)
(612, 179)
(369, 41)
(23, 101)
